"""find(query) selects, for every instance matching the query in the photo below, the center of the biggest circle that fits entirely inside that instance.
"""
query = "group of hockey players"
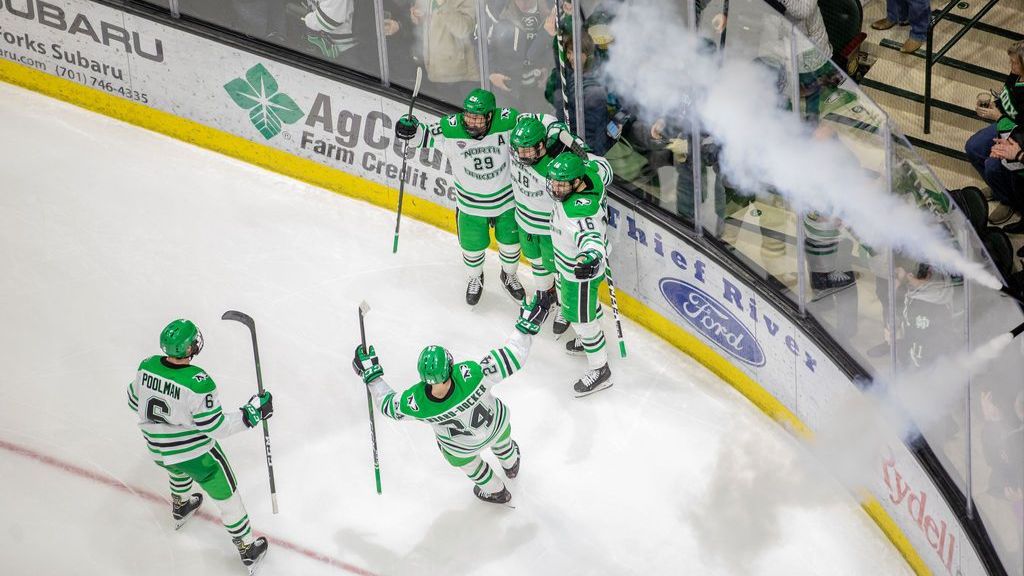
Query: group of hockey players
(524, 175)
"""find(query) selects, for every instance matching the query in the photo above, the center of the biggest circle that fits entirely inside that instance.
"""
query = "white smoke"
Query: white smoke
(658, 65)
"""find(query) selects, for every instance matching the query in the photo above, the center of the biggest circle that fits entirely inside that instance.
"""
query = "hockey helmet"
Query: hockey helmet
(528, 140)
(563, 174)
(477, 112)
(181, 339)
(434, 364)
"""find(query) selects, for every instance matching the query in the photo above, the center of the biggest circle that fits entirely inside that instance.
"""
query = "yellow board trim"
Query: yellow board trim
(355, 187)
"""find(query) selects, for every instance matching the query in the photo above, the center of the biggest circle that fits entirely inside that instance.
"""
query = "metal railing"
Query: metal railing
(932, 57)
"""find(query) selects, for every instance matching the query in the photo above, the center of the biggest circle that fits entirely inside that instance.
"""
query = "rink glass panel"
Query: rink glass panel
(996, 423)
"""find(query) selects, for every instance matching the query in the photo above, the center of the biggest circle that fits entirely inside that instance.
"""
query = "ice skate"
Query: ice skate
(512, 285)
(474, 289)
(513, 471)
(252, 554)
(828, 283)
(574, 347)
(592, 381)
(502, 497)
(182, 509)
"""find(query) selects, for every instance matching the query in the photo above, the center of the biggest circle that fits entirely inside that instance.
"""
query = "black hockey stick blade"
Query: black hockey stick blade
(239, 317)
(1016, 331)
(1016, 296)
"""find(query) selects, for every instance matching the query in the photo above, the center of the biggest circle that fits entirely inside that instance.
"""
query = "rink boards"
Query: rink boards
(339, 136)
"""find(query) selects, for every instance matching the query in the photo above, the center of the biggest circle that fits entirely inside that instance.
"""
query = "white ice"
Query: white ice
(108, 231)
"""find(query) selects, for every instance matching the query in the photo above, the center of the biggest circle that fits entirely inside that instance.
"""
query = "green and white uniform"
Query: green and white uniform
(579, 223)
(181, 419)
(482, 183)
(470, 418)
(534, 205)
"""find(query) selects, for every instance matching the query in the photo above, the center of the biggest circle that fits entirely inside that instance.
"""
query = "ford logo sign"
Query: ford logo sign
(712, 319)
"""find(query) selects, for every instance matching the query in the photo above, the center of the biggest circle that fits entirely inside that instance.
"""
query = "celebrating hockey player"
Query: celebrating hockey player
(578, 235)
(181, 419)
(454, 398)
(475, 141)
(534, 145)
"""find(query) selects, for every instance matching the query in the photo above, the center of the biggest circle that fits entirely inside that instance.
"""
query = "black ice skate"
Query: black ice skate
(593, 381)
(512, 286)
(474, 289)
(182, 509)
(828, 283)
(512, 472)
(574, 347)
(559, 325)
(253, 554)
(502, 497)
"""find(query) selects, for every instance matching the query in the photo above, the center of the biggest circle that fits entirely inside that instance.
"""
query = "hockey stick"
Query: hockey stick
(559, 14)
(251, 325)
(364, 309)
(401, 174)
(615, 308)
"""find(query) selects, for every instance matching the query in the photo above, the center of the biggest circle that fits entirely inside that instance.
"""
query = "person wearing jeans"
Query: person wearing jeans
(907, 12)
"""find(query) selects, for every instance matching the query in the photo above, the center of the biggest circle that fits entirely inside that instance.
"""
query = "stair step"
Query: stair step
(984, 26)
(922, 54)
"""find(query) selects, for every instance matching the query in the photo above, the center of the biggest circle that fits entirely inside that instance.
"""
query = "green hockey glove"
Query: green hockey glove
(587, 264)
(366, 364)
(533, 313)
(407, 127)
(260, 407)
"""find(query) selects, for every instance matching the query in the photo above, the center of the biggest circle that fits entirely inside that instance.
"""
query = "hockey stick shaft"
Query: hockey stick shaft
(251, 325)
(405, 155)
(369, 407)
(559, 15)
(615, 309)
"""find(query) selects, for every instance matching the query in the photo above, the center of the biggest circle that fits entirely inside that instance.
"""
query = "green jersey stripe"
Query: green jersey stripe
(499, 363)
(173, 434)
(182, 451)
(203, 415)
(482, 195)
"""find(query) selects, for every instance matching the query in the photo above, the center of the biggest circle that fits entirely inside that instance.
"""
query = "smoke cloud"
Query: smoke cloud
(661, 67)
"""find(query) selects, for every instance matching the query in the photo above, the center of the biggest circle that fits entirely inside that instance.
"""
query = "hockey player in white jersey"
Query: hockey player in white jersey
(579, 225)
(475, 142)
(181, 419)
(534, 144)
(455, 399)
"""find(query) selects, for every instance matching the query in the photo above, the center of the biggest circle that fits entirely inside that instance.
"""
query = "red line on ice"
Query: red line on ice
(152, 497)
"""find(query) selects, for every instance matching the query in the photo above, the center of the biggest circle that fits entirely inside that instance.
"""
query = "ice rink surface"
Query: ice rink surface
(109, 231)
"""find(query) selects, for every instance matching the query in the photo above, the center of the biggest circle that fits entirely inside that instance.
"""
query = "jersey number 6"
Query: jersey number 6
(157, 410)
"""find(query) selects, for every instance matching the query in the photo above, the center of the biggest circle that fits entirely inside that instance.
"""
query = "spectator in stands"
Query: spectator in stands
(1006, 115)
(520, 52)
(595, 95)
(339, 30)
(446, 32)
(925, 320)
(915, 13)
(1010, 151)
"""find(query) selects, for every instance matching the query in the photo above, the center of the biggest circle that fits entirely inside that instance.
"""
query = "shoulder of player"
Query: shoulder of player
(581, 205)
(468, 373)
(449, 126)
(192, 377)
(411, 399)
(505, 119)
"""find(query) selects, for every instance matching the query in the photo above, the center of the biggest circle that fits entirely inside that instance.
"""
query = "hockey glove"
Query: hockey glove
(407, 127)
(587, 264)
(366, 364)
(260, 407)
(532, 314)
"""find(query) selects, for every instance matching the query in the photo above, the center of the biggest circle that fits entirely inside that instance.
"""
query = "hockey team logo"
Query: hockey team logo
(268, 108)
(713, 320)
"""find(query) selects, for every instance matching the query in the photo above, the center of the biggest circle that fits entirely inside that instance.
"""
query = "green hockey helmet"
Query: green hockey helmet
(564, 173)
(181, 339)
(528, 140)
(434, 365)
(477, 112)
